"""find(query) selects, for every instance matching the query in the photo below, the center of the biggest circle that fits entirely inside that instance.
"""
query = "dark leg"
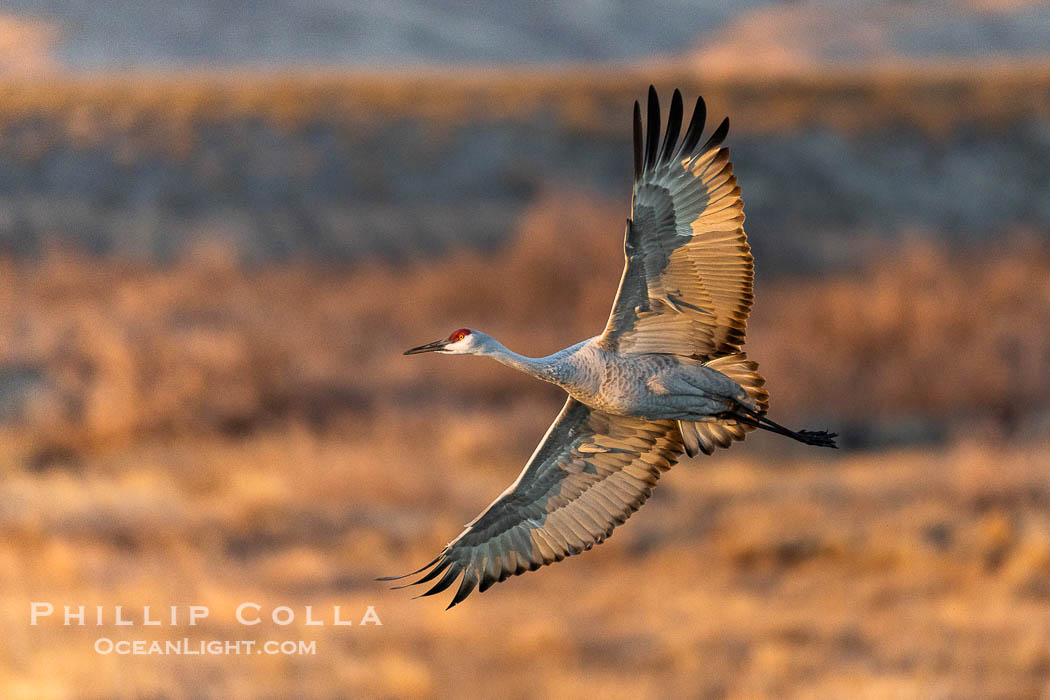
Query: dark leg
(821, 438)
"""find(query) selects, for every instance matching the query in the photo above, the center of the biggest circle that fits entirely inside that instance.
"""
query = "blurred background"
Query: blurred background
(222, 222)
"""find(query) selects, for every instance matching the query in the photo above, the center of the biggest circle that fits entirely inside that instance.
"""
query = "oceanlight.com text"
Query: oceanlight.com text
(204, 647)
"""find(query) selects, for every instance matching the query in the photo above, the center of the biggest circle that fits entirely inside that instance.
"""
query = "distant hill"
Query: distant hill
(102, 35)
(121, 34)
(26, 45)
(809, 36)
(284, 128)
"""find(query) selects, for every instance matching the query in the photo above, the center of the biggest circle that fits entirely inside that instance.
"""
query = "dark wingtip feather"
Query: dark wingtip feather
(430, 575)
(674, 127)
(450, 576)
(466, 587)
(718, 137)
(652, 136)
(411, 573)
(637, 140)
(696, 127)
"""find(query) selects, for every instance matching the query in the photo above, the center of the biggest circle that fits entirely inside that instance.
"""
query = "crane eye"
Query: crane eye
(459, 335)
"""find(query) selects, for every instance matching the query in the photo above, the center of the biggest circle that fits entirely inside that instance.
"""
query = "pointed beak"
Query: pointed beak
(429, 347)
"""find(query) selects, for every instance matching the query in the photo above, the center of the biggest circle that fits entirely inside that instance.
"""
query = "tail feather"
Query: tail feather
(690, 438)
(707, 435)
(745, 373)
(749, 414)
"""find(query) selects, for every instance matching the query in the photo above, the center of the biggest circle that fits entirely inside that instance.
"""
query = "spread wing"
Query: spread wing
(589, 473)
(687, 285)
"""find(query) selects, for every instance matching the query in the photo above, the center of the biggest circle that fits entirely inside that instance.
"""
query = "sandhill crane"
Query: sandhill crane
(667, 374)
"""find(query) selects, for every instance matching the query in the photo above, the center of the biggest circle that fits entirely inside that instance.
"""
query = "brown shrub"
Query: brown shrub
(118, 350)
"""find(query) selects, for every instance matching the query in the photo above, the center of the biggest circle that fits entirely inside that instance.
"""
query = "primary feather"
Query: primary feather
(687, 283)
(590, 472)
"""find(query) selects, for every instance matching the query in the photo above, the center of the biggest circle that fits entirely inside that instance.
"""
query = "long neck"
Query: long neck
(545, 368)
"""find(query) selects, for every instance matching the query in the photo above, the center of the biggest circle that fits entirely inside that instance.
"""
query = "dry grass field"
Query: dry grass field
(159, 108)
(207, 433)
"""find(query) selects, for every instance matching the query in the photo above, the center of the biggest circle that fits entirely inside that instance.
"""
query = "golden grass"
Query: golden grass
(165, 111)
(119, 350)
(901, 573)
(207, 434)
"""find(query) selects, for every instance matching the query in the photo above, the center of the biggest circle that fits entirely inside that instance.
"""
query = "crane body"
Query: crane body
(651, 386)
(667, 375)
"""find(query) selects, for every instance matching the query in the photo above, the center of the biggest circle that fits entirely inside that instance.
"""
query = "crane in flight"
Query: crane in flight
(667, 375)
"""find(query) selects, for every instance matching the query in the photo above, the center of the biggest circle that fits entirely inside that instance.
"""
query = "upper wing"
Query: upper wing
(589, 473)
(687, 285)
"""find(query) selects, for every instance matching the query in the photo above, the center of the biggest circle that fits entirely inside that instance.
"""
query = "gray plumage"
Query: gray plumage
(650, 386)
(667, 375)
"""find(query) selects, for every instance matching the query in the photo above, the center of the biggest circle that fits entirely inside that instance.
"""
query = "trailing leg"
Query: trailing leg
(820, 438)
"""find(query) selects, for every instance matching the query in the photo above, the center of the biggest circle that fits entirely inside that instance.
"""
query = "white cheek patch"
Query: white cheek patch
(461, 345)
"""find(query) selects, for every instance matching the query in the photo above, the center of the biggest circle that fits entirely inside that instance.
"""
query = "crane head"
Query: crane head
(459, 342)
